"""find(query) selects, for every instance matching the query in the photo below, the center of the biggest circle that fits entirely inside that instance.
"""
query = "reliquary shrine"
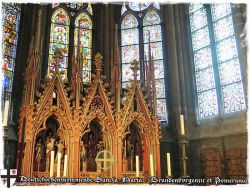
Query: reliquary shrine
(70, 129)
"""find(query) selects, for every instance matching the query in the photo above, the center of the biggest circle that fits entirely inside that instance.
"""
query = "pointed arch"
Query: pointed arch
(59, 38)
(83, 28)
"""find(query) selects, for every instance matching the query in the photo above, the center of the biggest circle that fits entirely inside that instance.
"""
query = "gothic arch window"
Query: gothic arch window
(138, 20)
(66, 16)
(219, 88)
(59, 38)
(11, 20)
(84, 22)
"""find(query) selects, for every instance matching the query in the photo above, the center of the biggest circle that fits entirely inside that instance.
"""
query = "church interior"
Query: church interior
(125, 89)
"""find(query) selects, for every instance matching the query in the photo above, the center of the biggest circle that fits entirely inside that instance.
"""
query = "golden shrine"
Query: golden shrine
(70, 129)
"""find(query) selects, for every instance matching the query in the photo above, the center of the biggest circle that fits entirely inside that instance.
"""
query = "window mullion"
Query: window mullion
(214, 59)
(141, 50)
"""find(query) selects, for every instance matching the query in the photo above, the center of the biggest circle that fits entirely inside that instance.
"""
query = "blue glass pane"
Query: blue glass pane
(226, 49)
(230, 72)
(203, 58)
(207, 102)
(198, 19)
(160, 88)
(205, 79)
(233, 98)
(200, 38)
(220, 10)
(223, 28)
(162, 109)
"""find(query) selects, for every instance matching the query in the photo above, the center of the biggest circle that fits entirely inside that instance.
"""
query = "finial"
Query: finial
(135, 68)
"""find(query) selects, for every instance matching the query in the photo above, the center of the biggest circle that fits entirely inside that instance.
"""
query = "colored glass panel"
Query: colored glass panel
(200, 38)
(198, 19)
(155, 33)
(226, 46)
(205, 79)
(130, 36)
(129, 53)
(59, 38)
(207, 103)
(162, 109)
(156, 50)
(220, 10)
(203, 58)
(10, 21)
(83, 21)
(223, 28)
(151, 18)
(230, 72)
(233, 98)
(129, 21)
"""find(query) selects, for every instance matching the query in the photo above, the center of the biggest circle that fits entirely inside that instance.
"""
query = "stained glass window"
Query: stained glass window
(59, 38)
(129, 45)
(217, 67)
(135, 30)
(84, 22)
(11, 19)
(152, 27)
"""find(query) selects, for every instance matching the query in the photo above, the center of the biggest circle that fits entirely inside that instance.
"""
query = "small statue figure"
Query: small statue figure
(83, 157)
(60, 149)
(130, 155)
(39, 151)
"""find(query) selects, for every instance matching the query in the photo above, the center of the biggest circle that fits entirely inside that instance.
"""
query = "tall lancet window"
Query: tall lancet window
(80, 15)
(59, 38)
(138, 21)
(11, 19)
(84, 22)
(219, 87)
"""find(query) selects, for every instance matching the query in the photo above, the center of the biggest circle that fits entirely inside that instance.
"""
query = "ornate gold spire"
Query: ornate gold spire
(116, 76)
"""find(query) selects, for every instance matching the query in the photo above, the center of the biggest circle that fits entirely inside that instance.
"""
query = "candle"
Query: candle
(59, 156)
(137, 165)
(65, 166)
(182, 124)
(169, 164)
(5, 115)
(52, 155)
(151, 165)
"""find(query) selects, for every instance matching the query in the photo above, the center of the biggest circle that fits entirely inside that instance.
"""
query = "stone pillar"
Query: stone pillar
(175, 107)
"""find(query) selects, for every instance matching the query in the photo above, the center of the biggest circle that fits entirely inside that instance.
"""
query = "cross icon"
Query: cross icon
(6, 178)
(105, 156)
